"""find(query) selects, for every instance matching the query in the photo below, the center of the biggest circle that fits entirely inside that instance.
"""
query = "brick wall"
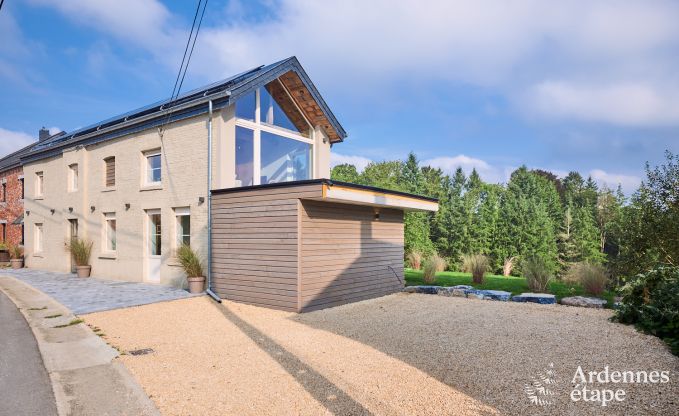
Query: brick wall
(12, 206)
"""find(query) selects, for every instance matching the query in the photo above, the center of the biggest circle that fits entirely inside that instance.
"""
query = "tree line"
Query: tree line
(563, 221)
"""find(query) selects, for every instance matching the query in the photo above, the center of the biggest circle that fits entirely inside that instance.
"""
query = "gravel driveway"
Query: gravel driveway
(403, 354)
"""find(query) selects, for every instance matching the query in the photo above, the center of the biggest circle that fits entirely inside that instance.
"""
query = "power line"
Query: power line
(1, 3)
(184, 66)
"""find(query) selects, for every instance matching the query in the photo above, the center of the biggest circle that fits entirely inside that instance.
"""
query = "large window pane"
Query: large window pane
(153, 170)
(277, 109)
(284, 159)
(245, 107)
(155, 235)
(244, 156)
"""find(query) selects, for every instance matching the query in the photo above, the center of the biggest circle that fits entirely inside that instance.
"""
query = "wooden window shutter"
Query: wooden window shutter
(110, 171)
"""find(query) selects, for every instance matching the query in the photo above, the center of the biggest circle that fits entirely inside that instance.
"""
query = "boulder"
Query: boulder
(428, 290)
(583, 302)
(541, 298)
(500, 295)
(444, 291)
(462, 293)
(474, 294)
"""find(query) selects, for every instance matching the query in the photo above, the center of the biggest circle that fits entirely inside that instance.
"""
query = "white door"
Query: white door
(153, 245)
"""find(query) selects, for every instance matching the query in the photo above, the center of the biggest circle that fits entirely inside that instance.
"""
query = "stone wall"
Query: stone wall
(12, 206)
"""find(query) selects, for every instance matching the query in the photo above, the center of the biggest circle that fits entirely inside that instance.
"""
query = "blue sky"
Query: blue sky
(580, 85)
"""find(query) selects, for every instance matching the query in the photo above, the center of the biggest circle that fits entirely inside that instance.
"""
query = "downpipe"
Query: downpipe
(209, 291)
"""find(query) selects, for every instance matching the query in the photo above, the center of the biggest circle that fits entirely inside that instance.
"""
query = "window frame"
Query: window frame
(257, 127)
(39, 232)
(148, 170)
(73, 177)
(107, 160)
(179, 238)
(39, 184)
(110, 217)
(4, 192)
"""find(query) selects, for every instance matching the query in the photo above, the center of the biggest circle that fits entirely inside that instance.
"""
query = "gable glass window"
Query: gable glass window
(38, 238)
(110, 231)
(39, 184)
(274, 141)
(4, 193)
(153, 169)
(73, 177)
(22, 187)
(183, 226)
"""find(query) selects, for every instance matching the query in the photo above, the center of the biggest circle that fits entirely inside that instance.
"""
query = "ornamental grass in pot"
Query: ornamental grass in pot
(193, 268)
(16, 253)
(81, 250)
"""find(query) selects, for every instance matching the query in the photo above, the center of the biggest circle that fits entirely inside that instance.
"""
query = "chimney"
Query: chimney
(43, 134)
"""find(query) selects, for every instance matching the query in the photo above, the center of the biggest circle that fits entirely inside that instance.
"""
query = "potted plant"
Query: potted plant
(81, 250)
(192, 267)
(16, 253)
(4, 253)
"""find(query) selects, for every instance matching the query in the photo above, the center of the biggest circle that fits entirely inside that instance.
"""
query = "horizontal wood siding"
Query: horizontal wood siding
(347, 254)
(255, 246)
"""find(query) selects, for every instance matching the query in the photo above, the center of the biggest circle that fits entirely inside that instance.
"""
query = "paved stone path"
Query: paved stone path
(94, 295)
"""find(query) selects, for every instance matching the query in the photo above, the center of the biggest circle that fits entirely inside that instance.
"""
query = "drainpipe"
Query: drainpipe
(209, 291)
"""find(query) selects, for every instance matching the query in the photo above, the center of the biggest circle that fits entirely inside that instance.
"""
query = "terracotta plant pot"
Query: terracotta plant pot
(196, 284)
(17, 263)
(83, 271)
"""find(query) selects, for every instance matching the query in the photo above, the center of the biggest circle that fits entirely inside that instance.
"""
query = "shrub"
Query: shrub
(415, 260)
(508, 266)
(592, 277)
(477, 265)
(16, 251)
(537, 273)
(190, 261)
(651, 302)
(81, 250)
(433, 265)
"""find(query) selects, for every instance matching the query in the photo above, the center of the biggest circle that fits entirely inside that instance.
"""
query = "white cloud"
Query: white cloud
(359, 161)
(448, 164)
(623, 104)
(629, 183)
(11, 141)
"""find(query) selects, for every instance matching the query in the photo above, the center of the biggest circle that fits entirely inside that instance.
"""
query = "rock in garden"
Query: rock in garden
(583, 302)
(444, 291)
(428, 290)
(500, 295)
(541, 298)
(459, 292)
(474, 294)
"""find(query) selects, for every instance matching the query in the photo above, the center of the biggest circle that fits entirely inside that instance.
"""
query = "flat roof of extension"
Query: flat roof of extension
(352, 193)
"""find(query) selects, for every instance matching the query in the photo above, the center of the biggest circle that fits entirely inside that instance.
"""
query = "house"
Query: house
(12, 195)
(136, 185)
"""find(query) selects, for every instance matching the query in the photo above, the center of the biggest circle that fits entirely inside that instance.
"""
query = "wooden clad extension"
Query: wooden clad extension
(288, 246)
(349, 253)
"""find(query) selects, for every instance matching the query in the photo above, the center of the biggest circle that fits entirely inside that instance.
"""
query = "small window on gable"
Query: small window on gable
(38, 238)
(278, 109)
(153, 167)
(110, 231)
(4, 192)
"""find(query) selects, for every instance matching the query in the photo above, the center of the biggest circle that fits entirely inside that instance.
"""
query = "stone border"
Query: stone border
(466, 291)
(84, 375)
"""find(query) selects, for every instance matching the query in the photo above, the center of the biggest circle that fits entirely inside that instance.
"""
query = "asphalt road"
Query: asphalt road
(25, 388)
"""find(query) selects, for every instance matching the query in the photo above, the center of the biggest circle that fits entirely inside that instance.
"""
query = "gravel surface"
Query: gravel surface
(404, 354)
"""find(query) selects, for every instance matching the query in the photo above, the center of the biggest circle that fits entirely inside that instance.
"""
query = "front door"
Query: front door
(153, 245)
(73, 233)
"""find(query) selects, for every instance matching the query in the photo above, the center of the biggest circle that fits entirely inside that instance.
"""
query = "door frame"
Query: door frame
(149, 259)
(73, 226)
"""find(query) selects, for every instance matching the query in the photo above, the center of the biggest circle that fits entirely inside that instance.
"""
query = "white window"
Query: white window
(39, 184)
(110, 231)
(183, 226)
(73, 177)
(274, 141)
(39, 237)
(153, 169)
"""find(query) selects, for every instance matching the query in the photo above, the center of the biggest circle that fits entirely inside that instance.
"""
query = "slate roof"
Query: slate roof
(189, 104)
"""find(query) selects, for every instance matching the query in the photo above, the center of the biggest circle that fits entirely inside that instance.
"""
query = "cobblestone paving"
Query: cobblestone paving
(94, 295)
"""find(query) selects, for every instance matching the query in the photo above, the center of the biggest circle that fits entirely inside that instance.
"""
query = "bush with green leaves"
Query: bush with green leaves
(16, 251)
(537, 273)
(592, 277)
(651, 302)
(190, 261)
(432, 265)
(81, 250)
(476, 264)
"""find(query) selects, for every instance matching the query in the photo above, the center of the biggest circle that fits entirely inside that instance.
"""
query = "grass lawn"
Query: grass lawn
(515, 285)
